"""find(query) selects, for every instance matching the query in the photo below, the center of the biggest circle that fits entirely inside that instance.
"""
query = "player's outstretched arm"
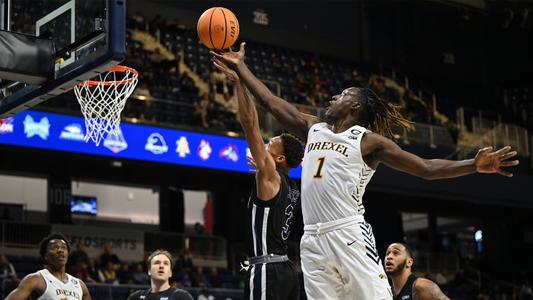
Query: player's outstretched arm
(29, 285)
(425, 289)
(287, 114)
(268, 179)
(389, 153)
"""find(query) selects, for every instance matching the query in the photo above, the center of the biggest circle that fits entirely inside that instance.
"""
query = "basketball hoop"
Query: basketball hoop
(103, 100)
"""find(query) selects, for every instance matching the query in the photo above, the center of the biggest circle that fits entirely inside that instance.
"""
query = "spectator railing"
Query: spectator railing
(17, 235)
(430, 262)
(477, 130)
(22, 235)
(404, 81)
(398, 77)
(207, 247)
(172, 242)
(421, 134)
(429, 135)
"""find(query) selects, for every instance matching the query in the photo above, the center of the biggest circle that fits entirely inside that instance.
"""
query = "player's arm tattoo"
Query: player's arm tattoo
(425, 289)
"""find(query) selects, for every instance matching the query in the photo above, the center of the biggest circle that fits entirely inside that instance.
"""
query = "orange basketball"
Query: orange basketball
(218, 28)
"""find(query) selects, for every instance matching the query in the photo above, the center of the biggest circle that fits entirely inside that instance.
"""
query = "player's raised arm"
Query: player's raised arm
(287, 114)
(268, 182)
(389, 153)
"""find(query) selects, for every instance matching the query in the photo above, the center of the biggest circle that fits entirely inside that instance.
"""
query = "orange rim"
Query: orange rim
(118, 68)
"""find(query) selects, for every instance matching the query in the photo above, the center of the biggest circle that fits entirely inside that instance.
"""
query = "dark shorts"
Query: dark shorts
(276, 281)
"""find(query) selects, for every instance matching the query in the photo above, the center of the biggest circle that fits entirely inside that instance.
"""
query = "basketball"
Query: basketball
(218, 28)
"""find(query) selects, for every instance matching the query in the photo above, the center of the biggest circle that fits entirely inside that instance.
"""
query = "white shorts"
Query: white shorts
(340, 261)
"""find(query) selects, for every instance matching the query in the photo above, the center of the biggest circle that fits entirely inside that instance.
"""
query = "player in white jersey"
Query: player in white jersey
(52, 282)
(339, 257)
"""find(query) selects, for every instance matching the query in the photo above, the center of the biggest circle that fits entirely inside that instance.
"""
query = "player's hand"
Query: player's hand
(488, 161)
(230, 58)
(252, 164)
(232, 75)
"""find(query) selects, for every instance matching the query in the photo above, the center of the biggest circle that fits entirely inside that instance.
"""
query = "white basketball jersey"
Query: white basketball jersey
(58, 290)
(334, 175)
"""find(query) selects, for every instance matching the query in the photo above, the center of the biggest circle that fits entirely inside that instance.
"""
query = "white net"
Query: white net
(103, 100)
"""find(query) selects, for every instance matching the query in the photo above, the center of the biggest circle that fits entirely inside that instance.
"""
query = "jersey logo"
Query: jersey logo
(355, 133)
(163, 298)
(293, 197)
(349, 244)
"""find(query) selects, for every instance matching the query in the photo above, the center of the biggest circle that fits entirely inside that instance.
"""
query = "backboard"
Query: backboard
(88, 38)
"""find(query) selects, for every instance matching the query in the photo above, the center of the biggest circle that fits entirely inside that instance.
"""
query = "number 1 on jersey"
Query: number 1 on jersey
(318, 173)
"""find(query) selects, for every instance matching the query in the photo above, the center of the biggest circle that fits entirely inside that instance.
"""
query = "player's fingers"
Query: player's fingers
(502, 150)
(221, 62)
(217, 55)
(217, 65)
(222, 69)
(241, 48)
(505, 173)
(220, 65)
(485, 150)
(218, 61)
(509, 163)
(508, 155)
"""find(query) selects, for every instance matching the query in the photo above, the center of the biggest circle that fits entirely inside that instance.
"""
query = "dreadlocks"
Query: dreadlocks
(380, 116)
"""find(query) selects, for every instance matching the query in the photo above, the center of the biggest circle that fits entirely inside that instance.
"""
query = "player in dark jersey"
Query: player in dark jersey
(406, 286)
(274, 201)
(160, 264)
